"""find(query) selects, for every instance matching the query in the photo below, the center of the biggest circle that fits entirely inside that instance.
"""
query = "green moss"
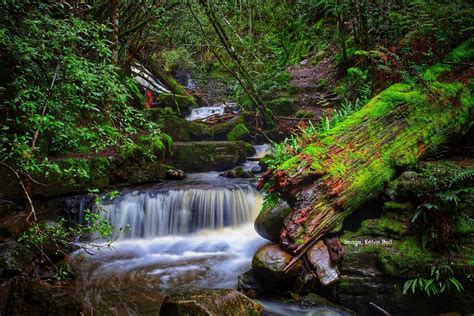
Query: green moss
(464, 225)
(180, 102)
(282, 106)
(397, 206)
(462, 52)
(239, 132)
(384, 226)
(299, 241)
(404, 258)
(304, 114)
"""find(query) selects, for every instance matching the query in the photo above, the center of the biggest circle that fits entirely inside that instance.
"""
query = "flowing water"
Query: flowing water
(196, 233)
(218, 109)
(190, 234)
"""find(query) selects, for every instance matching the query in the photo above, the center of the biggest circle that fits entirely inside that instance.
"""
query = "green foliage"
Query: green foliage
(178, 58)
(66, 94)
(304, 114)
(58, 239)
(437, 209)
(239, 132)
(442, 280)
(292, 146)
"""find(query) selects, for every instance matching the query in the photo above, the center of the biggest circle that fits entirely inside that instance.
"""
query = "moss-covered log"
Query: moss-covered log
(352, 162)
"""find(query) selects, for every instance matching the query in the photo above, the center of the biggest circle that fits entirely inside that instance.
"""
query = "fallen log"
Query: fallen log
(351, 163)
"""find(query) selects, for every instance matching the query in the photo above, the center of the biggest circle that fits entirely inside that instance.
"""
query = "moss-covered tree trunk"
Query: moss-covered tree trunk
(352, 162)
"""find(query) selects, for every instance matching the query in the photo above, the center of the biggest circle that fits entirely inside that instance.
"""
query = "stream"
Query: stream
(188, 234)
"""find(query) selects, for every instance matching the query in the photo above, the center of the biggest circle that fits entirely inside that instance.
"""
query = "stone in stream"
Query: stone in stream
(14, 258)
(269, 221)
(320, 258)
(237, 172)
(269, 262)
(23, 295)
(210, 302)
(175, 174)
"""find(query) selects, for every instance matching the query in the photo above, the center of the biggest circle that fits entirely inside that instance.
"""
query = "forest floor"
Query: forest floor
(314, 84)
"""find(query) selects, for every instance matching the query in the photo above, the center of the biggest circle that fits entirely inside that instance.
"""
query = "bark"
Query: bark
(115, 30)
(351, 163)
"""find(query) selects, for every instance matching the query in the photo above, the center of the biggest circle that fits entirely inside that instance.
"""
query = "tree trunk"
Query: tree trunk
(341, 34)
(115, 30)
(350, 164)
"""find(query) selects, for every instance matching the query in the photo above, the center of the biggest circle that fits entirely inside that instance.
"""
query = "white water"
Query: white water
(260, 152)
(219, 109)
(150, 214)
(214, 217)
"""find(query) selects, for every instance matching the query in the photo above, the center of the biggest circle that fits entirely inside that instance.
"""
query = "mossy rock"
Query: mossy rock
(180, 129)
(207, 156)
(15, 258)
(387, 226)
(282, 106)
(210, 302)
(239, 132)
(269, 262)
(97, 170)
(221, 130)
(269, 221)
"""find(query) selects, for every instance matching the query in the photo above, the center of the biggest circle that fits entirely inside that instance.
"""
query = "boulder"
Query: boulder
(14, 258)
(249, 285)
(175, 174)
(207, 156)
(320, 258)
(269, 262)
(210, 302)
(312, 299)
(269, 221)
(239, 132)
(30, 296)
(237, 172)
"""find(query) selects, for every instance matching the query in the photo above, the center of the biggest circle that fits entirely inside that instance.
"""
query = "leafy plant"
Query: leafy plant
(441, 280)
(55, 240)
(436, 212)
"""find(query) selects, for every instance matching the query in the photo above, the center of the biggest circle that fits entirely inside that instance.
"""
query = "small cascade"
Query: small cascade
(252, 162)
(190, 83)
(218, 110)
(159, 213)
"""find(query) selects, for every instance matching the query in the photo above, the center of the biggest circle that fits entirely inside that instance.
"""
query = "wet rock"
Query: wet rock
(320, 258)
(29, 296)
(335, 248)
(313, 299)
(14, 258)
(210, 302)
(207, 156)
(136, 172)
(269, 221)
(12, 221)
(175, 174)
(239, 132)
(249, 285)
(237, 172)
(269, 262)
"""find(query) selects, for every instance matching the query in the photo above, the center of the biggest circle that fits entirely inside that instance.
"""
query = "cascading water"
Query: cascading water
(158, 213)
(218, 109)
(196, 233)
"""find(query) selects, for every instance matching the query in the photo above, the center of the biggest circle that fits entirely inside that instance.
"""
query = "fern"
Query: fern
(461, 176)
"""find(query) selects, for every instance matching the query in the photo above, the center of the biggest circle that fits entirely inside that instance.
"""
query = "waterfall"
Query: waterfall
(159, 213)
(217, 109)
(190, 83)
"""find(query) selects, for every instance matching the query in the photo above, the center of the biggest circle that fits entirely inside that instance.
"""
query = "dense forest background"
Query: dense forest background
(322, 81)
